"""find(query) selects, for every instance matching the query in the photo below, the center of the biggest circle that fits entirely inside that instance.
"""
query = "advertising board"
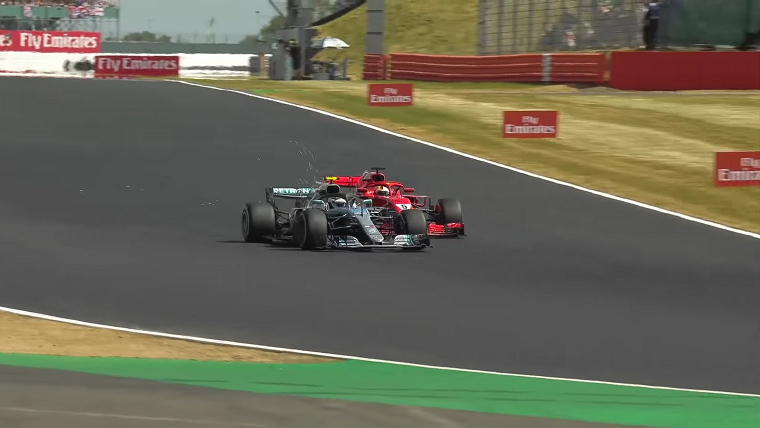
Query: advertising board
(737, 169)
(530, 124)
(50, 41)
(131, 66)
(390, 94)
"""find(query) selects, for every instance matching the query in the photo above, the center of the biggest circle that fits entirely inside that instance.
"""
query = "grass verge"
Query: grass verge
(653, 148)
(27, 335)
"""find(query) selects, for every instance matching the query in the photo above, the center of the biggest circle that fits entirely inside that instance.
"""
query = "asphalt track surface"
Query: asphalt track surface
(35, 398)
(120, 202)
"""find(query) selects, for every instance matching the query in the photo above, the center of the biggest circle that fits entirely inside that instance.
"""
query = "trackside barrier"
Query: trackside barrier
(499, 68)
(375, 67)
(444, 68)
(575, 68)
(675, 71)
(633, 70)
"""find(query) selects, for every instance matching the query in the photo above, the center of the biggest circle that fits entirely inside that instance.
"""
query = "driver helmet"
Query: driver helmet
(382, 191)
(337, 202)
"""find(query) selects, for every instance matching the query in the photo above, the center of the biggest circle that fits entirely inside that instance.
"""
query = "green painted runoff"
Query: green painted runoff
(415, 386)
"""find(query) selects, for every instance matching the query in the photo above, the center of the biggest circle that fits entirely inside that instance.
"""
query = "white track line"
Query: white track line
(427, 143)
(348, 357)
(343, 357)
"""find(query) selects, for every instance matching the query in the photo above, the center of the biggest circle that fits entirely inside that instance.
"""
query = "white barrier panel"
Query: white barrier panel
(52, 64)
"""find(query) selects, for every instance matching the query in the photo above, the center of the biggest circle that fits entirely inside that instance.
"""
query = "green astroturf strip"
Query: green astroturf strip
(414, 386)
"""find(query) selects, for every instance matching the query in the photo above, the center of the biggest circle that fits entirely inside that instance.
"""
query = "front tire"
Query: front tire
(414, 222)
(257, 221)
(314, 229)
(449, 211)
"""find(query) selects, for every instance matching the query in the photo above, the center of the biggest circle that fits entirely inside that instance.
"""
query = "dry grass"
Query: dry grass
(26, 335)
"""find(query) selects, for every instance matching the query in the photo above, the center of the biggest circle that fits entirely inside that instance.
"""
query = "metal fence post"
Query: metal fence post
(546, 62)
(748, 21)
(529, 35)
(515, 26)
(500, 28)
(480, 48)
(579, 26)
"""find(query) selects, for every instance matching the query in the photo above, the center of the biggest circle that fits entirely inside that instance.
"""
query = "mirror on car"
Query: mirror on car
(367, 203)
(408, 189)
(318, 204)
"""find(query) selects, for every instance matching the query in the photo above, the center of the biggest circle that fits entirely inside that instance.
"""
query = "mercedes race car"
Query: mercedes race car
(391, 198)
(326, 217)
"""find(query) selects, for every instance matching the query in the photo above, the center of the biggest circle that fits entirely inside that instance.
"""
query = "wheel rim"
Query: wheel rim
(245, 223)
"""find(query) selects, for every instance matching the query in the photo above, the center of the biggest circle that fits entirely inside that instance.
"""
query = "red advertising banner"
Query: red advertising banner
(737, 169)
(50, 41)
(390, 94)
(530, 124)
(129, 66)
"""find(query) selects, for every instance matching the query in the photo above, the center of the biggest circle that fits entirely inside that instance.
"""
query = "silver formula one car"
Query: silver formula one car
(325, 217)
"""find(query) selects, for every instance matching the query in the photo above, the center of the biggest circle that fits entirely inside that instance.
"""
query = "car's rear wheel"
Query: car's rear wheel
(313, 229)
(449, 211)
(258, 220)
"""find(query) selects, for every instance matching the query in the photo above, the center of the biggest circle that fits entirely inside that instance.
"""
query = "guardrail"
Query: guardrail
(633, 70)
(375, 67)
(498, 68)
(442, 68)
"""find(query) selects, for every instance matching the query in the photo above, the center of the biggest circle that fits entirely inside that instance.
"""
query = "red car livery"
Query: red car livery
(444, 218)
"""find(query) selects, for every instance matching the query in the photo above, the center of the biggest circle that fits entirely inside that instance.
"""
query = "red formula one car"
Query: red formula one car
(389, 198)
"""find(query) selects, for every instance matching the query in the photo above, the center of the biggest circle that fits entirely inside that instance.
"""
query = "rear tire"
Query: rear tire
(314, 229)
(257, 221)
(449, 211)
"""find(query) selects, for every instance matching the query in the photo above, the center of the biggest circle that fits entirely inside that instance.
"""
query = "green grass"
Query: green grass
(656, 149)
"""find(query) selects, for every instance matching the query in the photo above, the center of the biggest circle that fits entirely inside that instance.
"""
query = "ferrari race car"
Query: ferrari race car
(326, 217)
(391, 198)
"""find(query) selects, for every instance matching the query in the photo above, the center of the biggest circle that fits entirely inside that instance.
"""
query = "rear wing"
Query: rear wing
(342, 180)
(289, 192)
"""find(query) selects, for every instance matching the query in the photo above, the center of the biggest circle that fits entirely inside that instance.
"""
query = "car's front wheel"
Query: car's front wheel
(449, 211)
(313, 229)
(414, 222)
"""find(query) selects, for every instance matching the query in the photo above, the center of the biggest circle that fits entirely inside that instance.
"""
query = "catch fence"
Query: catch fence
(527, 26)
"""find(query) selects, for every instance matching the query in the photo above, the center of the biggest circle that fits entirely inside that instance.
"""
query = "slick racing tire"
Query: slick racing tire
(313, 229)
(257, 221)
(414, 222)
(449, 210)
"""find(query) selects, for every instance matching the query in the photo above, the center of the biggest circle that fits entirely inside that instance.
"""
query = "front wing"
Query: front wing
(449, 229)
(342, 242)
